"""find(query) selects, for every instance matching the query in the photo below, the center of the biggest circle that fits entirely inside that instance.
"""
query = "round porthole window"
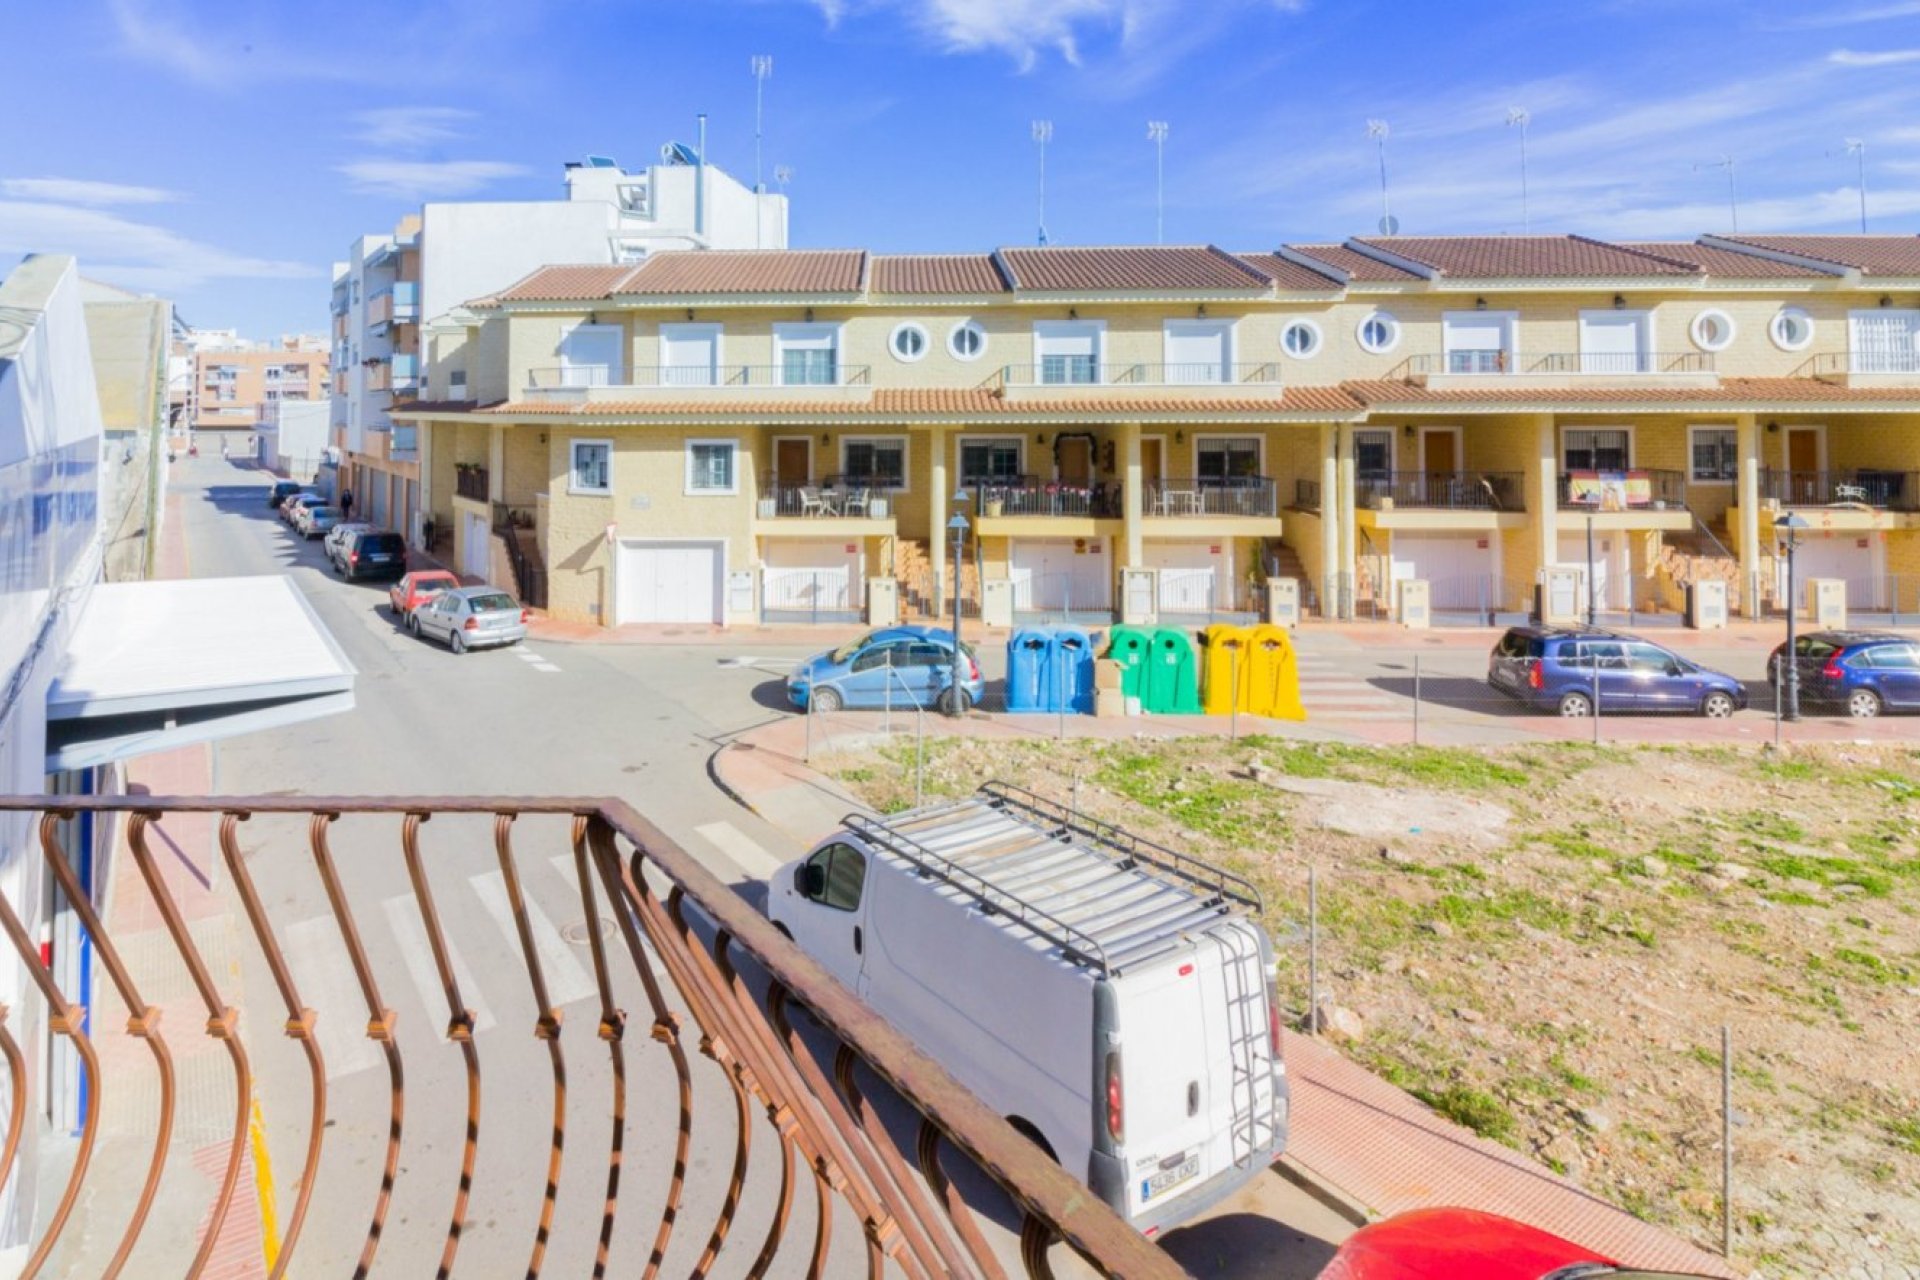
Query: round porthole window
(1379, 332)
(1792, 329)
(1712, 330)
(967, 341)
(1301, 339)
(908, 343)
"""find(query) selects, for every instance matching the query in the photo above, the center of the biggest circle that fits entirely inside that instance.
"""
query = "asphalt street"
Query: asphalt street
(636, 722)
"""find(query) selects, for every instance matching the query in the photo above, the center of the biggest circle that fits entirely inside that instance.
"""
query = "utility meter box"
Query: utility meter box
(1283, 602)
(1139, 593)
(1558, 596)
(1707, 605)
(996, 602)
(1413, 603)
(883, 602)
(1827, 602)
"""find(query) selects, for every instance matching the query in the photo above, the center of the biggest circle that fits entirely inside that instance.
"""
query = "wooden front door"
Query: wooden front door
(1803, 449)
(1441, 452)
(792, 460)
(1073, 460)
(1152, 465)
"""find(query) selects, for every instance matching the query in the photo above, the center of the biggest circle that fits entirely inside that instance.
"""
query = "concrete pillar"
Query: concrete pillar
(1543, 495)
(1333, 520)
(497, 464)
(1746, 497)
(1133, 495)
(1349, 530)
(937, 517)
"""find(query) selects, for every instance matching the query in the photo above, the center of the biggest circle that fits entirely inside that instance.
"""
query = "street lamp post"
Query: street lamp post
(959, 527)
(1593, 593)
(1791, 524)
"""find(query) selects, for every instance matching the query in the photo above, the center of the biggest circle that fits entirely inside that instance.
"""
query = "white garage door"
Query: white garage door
(1061, 573)
(813, 574)
(1838, 555)
(1460, 573)
(669, 582)
(1193, 575)
(476, 549)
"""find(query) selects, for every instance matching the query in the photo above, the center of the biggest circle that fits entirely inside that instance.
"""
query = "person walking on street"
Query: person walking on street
(346, 505)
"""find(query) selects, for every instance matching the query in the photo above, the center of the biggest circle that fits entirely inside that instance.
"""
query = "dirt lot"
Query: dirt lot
(1543, 944)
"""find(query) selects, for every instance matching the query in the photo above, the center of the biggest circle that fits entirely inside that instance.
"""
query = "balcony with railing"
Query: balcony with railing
(1637, 498)
(1020, 497)
(471, 481)
(379, 375)
(380, 311)
(406, 301)
(1859, 487)
(406, 371)
(850, 504)
(1078, 375)
(851, 1150)
(1234, 497)
(1889, 368)
(589, 384)
(1440, 490)
(1480, 367)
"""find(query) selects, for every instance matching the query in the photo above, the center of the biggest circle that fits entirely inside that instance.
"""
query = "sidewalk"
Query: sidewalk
(1362, 1140)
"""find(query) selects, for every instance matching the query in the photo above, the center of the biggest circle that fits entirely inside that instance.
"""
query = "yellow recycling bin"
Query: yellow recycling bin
(1224, 660)
(1273, 681)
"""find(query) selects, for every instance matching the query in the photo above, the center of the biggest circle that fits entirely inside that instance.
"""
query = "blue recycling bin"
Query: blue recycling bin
(1069, 676)
(1029, 653)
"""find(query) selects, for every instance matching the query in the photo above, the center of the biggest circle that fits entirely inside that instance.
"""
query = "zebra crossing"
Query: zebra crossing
(1327, 689)
(538, 661)
(477, 926)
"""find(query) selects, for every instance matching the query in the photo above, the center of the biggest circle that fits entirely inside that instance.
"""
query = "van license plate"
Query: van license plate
(1166, 1180)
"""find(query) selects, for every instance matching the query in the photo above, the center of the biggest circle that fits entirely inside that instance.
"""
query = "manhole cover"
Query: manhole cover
(576, 933)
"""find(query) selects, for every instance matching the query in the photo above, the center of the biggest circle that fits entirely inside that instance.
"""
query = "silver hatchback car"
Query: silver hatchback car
(470, 618)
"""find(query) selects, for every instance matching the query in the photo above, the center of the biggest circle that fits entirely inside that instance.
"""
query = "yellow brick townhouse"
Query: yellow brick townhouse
(1167, 433)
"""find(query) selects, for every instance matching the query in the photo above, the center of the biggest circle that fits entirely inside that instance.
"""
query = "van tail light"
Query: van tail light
(1832, 670)
(1116, 1103)
(973, 666)
(524, 615)
(354, 558)
(471, 624)
(1536, 678)
(1273, 1024)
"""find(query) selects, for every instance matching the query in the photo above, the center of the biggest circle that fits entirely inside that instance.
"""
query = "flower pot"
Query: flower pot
(995, 506)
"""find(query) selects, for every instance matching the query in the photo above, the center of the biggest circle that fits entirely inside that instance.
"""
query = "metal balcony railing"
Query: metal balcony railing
(699, 378)
(1212, 496)
(1031, 496)
(1860, 486)
(471, 481)
(1306, 494)
(713, 985)
(1623, 362)
(1838, 362)
(1441, 490)
(1071, 371)
(1637, 489)
(839, 498)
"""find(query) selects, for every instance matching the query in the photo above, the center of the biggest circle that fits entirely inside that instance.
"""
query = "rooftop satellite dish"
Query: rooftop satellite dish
(678, 153)
(601, 162)
(1389, 226)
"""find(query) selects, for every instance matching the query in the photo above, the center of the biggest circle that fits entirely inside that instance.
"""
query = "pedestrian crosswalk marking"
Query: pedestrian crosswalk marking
(567, 980)
(537, 661)
(410, 932)
(324, 973)
(737, 845)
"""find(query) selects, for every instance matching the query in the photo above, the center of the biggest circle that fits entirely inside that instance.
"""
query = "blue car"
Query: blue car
(901, 666)
(1566, 670)
(1866, 672)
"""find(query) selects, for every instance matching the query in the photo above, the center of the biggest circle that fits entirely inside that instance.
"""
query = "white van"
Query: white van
(1110, 997)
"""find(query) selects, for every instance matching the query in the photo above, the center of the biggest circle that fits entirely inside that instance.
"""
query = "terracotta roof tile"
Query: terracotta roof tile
(710, 271)
(1097, 268)
(895, 402)
(1289, 275)
(1355, 264)
(564, 284)
(936, 273)
(1551, 257)
(1870, 255)
(1727, 263)
(1731, 391)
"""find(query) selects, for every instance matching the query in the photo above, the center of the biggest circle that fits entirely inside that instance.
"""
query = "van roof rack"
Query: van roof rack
(1107, 898)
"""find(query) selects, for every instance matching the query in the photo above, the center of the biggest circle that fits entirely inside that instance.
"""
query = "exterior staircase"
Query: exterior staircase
(1693, 556)
(913, 569)
(1287, 564)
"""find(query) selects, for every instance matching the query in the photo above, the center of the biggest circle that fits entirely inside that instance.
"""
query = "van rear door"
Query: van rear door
(1243, 1124)
(1165, 1081)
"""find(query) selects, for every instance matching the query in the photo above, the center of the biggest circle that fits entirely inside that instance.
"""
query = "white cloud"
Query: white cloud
(1875, 58)
(82, 191)
(427, 178)
(403, 128)
(123, 251)
(159, 37)
(1851, 17)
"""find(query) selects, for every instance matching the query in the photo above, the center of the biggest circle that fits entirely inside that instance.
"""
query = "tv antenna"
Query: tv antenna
(1857, 148)
(1733, 193)
(1157, 134)
(783, 174)
(1377, 130)
(1520, 117)
(1043, 134)
(762, 70)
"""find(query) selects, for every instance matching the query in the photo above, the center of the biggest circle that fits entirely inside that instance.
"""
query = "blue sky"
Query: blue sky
(223, 153)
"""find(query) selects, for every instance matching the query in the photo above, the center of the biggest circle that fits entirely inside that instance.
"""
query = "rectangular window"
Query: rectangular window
(710, 466)
(1067, 351)
(881, 464)
(592, 467)
(808, 354)
(689, 355)
(1479, 341)
(989, 462)
(1225, 460)
(1198, 351)
(1597, 450)
(1714, 458)
(1372, 453)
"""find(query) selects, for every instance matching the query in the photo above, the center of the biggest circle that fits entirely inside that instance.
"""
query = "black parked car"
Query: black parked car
(281, 491)
(370, 553)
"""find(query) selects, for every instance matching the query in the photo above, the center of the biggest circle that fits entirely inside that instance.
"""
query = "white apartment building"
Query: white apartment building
(449, 253)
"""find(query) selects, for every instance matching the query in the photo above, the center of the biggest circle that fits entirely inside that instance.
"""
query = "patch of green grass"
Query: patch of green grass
(1444, 768)
(1474, 1109)
(1242, 813)
(1768, 825)
(1577, 842)
(1905, 1132)
(1872, 968)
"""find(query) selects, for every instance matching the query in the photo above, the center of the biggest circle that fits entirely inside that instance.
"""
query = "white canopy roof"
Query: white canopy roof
(157, 665)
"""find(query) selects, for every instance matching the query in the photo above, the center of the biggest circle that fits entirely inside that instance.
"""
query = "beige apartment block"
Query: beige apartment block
(228, 387)
(721, 437)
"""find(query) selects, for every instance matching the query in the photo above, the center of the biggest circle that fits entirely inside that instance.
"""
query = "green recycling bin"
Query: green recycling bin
(1130, 648)
(1172, 685)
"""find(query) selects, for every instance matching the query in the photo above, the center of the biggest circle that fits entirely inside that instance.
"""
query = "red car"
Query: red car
(1453, 1244)
(415, 589)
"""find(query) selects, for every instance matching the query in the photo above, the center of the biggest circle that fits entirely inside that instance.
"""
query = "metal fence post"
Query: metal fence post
(1726, 1141)
(1073, 810)
(1233, 695)
(919, 755)
(886, 722)
(1596, 700)
(808, 756)
(1779, 669)
(1416, 699)
(1313, 950)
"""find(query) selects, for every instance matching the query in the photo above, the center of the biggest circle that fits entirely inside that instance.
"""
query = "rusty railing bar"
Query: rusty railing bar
(613, 1027)
(16, 1093)
(143, 1021)
(955, 1205)
(223, 1024)
(779, 1115)
(459, 1031)
(299, 1026)
(380, 1023)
